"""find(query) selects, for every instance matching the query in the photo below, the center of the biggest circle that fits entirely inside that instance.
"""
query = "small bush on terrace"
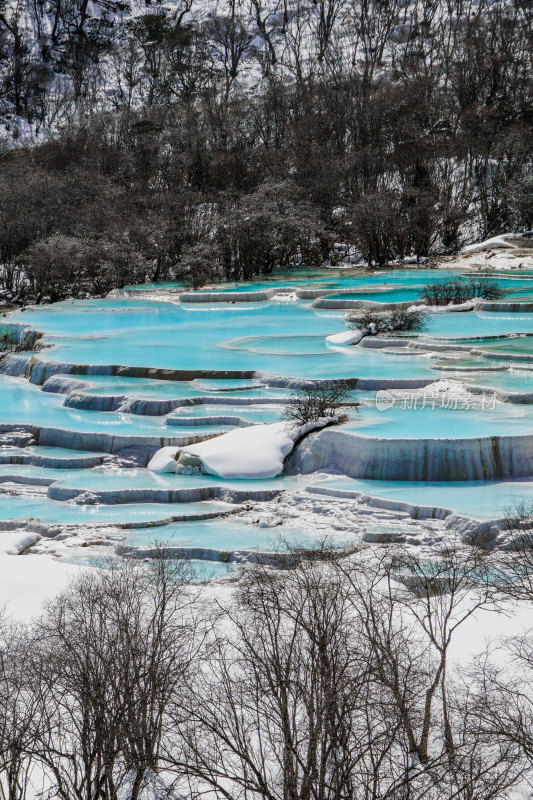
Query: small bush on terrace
(459, 290)
(399, 319)
(519, 517)
(315, 401)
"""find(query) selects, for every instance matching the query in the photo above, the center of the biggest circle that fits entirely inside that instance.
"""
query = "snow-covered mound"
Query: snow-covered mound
(468, 305)
(346, 337)
(255, 452)
(494, 243)
(15, 541)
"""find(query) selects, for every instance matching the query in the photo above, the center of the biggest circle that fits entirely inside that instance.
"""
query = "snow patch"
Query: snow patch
(255, 452)
(494, 243)
(14, 542)
(165, 460)
(468, 305)
(27, 581)
(346, 337)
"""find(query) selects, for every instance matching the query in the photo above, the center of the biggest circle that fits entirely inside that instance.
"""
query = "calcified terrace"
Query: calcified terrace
(445, 450)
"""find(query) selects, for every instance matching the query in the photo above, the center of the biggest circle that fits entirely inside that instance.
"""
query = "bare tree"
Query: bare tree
(410, 632)
(233, 39)
(326, 14)
(18, 712)
(267, 19)
(272, 713)
(327, 680)
(111, 652)
(315, 401)
(331, 680)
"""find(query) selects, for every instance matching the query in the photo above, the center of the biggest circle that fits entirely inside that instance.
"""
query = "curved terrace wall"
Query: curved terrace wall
(100, 441)
(326, 302)
(502, 305)
(483, 458)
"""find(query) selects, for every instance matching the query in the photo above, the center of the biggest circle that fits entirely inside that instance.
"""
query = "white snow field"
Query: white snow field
(27, 582)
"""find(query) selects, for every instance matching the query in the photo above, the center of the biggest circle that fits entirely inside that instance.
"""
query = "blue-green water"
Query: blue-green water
(481, 499)
(478, 324)
(511, 380)
(144, 479)
(441, 417)
(226, 534)
(61, 513)
(25, 404)
(210, 337)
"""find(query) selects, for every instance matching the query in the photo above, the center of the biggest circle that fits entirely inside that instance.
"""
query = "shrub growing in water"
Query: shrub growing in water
(488, 288)
(399, 319)
(315, 401)
(459, 290)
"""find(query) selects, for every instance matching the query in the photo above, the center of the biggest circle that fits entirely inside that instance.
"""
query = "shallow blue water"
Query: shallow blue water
(23, 403)
(512, 380)
(482, 499)
(40, 450)
(287, 339)
(145, 479)
(210, 337)
(53, 511)
(478, 324)
(281, 338)
(390, 287)
(251, 414)
(224, 534)
(360, 278)
(384, 296)
(145, 388)
(442, 418)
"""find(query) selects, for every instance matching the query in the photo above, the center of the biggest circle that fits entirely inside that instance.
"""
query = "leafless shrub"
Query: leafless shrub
(513, 564)
(399, 319)
(316, 401)
(458, 290)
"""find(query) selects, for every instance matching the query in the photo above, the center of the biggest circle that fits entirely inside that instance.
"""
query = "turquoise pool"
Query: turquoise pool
(25, 404)
(153, 329)
(441, 417)
(54, 512)
(481, 499)
(227, 534)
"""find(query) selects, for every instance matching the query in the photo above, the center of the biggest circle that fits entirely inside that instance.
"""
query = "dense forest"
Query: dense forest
(205, 143)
